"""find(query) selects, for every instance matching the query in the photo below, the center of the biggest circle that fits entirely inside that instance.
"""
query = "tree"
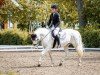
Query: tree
(81, 13)
(71, 11)
(17, 15)
(92, 9)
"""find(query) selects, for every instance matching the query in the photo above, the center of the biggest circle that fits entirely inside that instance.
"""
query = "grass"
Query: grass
(8, 73)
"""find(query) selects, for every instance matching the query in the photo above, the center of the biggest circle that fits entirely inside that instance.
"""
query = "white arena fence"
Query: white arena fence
(18, 48)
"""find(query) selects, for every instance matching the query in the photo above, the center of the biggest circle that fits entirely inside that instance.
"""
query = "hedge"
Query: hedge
(90, 37)
(14, 37)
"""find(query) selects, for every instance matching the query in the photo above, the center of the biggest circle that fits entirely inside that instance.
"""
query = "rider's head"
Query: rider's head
(54, 8)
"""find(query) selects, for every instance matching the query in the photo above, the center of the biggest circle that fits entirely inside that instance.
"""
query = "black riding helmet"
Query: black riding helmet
(54, 6)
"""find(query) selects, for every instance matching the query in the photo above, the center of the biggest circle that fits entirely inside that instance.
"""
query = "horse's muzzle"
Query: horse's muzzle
(35, 42)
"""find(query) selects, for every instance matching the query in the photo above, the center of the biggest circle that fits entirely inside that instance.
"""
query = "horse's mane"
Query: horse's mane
(43, 30)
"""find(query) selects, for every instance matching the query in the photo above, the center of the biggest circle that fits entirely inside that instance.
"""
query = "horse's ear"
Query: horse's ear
(30, 33)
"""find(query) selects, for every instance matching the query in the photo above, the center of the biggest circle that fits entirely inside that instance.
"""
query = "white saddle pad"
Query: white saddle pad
(62, 35)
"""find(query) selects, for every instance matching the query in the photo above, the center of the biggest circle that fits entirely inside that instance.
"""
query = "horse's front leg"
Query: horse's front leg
(41, 58)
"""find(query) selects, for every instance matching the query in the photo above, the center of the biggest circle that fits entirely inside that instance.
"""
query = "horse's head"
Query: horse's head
(33, 38)
(38, 34)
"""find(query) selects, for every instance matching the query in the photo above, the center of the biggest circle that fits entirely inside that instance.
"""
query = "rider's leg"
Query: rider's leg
(58, 40)
(52, 31)
(54, 43)
(56, 31)
(55, 36)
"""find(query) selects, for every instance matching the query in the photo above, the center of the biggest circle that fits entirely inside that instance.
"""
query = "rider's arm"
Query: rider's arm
(56, 20)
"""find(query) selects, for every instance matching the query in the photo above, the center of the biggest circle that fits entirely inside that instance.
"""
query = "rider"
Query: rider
(54, 23)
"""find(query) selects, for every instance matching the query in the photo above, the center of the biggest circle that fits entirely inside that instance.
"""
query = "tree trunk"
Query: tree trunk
(1, 2)
(81, 13)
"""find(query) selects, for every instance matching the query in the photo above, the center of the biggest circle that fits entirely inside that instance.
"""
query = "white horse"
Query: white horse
(66, 36)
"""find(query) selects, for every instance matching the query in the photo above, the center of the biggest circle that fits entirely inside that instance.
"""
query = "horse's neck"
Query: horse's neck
(44, 33)
(46, 39)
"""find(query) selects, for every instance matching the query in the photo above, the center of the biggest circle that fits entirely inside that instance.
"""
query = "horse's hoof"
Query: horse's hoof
(52, 65)
(39, 65)
(79, 64)
(60, 64)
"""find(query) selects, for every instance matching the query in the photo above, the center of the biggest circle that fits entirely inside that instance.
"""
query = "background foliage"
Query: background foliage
(14, 37)
(90, 36)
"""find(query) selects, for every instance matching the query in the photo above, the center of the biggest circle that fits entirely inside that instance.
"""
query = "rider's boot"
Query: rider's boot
(58, 41)
(54, 43)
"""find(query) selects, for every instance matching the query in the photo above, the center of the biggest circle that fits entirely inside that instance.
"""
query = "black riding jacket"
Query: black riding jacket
(54, 20)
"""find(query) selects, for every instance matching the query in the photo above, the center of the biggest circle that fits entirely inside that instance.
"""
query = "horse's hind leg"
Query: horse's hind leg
(66, 55)
(79, 50)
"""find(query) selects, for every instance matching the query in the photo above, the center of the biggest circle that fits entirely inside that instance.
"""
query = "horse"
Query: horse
(66, 36)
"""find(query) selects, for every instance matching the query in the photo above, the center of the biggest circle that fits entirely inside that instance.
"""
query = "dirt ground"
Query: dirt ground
(25, 63)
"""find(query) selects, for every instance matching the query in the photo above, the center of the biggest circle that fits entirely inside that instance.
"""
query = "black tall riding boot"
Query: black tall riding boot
(58, 40)
(54, 43)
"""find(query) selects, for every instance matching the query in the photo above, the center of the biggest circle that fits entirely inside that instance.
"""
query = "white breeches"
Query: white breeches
(55, 30)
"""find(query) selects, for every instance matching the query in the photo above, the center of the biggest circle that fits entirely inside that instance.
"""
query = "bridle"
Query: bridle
(38, 41)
